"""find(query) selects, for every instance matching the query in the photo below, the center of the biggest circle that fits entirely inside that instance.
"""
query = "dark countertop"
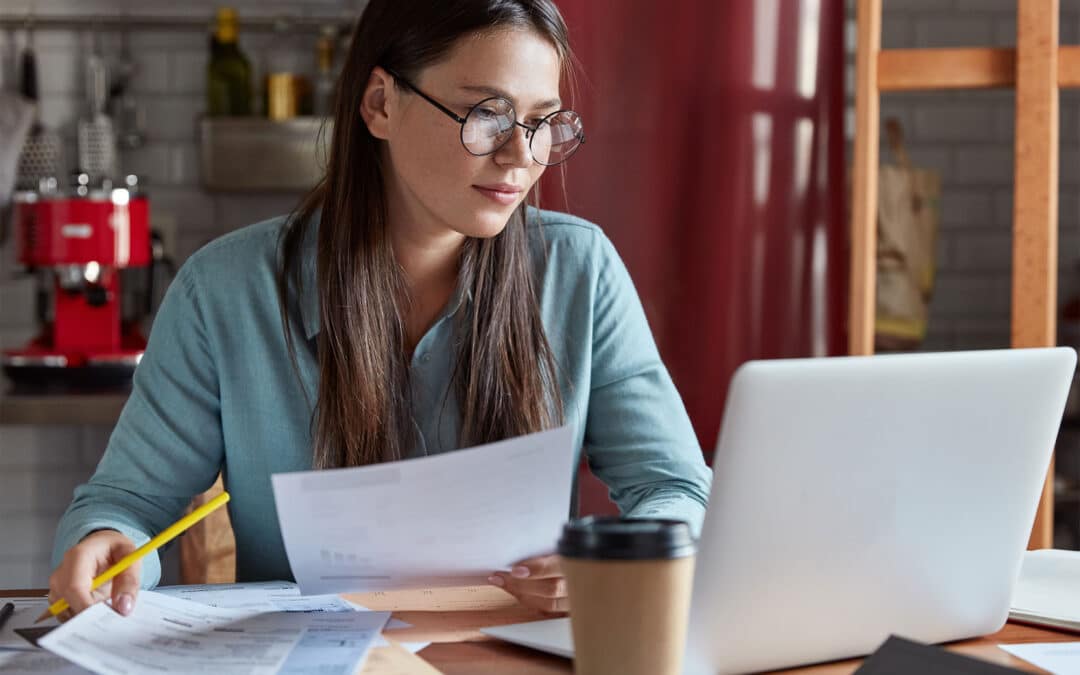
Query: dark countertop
(57, 407)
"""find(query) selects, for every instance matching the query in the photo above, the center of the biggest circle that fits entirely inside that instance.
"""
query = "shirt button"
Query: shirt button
(425, 358)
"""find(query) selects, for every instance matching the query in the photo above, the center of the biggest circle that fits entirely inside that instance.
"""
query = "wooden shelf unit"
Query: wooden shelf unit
(1037, 68)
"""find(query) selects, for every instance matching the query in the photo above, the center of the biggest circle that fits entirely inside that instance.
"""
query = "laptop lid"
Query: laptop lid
(858, 497)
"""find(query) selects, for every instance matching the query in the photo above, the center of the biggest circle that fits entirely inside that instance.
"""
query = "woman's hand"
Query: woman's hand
(97, 552)
(536, 582)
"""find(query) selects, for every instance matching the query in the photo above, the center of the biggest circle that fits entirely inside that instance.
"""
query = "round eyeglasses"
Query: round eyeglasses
(490, 123)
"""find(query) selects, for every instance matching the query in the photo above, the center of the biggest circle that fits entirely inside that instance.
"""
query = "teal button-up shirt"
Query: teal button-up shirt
(216, 391)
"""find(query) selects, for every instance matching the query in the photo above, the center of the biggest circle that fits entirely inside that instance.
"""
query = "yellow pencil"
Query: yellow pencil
(127, 561)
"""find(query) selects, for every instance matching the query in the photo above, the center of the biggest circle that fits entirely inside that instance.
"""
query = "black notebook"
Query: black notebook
(32, 634)
(898, 656)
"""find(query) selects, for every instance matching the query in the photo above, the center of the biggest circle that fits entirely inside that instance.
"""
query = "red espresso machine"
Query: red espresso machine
(78, 242)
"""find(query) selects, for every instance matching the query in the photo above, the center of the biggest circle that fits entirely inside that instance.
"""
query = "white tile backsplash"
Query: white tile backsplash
(187, 71)
(190, 206)
(25, 447)
(40, 466)
(151, 73)
(184, 164)
(60, 71)
(150, 162)
(174, 118)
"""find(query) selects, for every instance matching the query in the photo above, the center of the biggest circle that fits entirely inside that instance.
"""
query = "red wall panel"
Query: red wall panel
(715, 162)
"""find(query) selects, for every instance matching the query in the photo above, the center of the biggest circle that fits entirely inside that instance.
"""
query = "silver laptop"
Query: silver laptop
(854, 498)
(859, 497)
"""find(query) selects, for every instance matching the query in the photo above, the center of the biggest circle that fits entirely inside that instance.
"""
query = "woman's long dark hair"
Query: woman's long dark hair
(504, 373)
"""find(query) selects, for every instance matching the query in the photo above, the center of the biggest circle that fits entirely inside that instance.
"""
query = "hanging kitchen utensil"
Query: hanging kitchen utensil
(129, 115)
(96, 134)
(42, 155)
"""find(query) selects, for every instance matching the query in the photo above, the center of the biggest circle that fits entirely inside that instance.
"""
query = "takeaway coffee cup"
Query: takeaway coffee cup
(628, 582)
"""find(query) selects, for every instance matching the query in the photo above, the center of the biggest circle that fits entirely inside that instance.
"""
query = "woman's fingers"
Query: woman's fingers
(542, 601)
(540, 567)
(125, 586)
(543, 587)
(554, 587)
(85, 561)
(75, 584)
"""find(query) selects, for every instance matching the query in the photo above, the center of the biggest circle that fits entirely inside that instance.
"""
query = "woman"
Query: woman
(413, 305)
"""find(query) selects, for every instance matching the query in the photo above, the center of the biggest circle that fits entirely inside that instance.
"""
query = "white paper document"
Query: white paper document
(268, 596)
(1061, 658)
(335, 643)
(1048, 590)
(27, 610)
(264, 596)
(445, 520)
(168, 634)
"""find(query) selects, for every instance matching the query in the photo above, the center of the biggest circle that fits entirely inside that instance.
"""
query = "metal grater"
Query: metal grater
(97, 147)
(42, 157)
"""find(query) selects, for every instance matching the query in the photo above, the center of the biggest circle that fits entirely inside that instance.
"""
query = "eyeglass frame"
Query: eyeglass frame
(530, 132)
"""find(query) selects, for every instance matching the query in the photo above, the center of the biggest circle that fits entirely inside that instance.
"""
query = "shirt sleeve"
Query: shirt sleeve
(167, 445)
(638, 436)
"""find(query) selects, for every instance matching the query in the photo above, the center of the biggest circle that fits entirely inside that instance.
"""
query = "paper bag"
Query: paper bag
(908, 212)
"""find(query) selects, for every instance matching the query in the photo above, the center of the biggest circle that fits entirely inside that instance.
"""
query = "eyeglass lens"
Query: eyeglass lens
(489, 125)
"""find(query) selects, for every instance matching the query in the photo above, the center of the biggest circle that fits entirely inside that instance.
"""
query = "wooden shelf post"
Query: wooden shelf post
(1038, 67)
(1035, 202)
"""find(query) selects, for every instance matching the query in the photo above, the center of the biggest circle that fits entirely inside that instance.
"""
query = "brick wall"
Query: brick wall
(968, 137)
(39, 466)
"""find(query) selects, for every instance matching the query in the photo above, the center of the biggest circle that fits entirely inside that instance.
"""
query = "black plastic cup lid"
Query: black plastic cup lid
(608, 538)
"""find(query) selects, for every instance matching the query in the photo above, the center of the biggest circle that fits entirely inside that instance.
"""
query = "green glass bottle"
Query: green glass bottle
(228, 74)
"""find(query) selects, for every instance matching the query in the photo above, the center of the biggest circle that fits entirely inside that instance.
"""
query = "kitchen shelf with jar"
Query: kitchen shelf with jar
(253, 153)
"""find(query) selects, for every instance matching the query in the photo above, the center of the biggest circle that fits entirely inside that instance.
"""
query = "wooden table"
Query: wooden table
(483, 658)
(494, 657)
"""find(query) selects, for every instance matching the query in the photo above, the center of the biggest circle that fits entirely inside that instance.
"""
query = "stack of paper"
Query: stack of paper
(178, 635)
(250, 628)
(1048, 590)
